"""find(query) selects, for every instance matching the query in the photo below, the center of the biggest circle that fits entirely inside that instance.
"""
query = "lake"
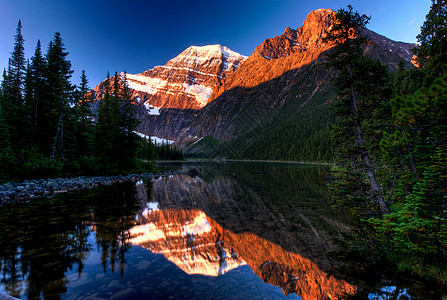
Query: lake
(237, 230)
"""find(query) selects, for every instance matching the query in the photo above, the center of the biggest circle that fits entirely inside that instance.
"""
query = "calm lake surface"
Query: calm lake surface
(237, 230)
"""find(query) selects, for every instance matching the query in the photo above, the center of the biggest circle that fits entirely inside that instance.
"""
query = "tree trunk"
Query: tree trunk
(412, 163)
(376, 194)
(59, 126)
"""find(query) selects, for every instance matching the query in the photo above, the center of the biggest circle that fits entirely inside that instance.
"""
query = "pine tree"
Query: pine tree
(35, 98)
(431, 52)
(359, 83)
(116, 121)
(59, 92)
(83, 115)
(6, 157)
(103, 141)
(15, 116)
(129, 124)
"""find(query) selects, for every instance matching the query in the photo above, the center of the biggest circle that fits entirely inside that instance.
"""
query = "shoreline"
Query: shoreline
(12, 192)
(193, 160)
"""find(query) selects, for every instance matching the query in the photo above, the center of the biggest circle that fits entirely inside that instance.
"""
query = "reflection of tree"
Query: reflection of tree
(44, 241)
(112, 224)
(41, 241)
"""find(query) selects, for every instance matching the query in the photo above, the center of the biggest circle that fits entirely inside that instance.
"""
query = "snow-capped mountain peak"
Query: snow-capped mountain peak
(186, 81)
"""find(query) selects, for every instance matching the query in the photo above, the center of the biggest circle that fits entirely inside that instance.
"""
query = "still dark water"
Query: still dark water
(239, 230)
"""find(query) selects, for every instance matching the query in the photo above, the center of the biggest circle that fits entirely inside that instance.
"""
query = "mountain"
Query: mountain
(274, 105)
(185, 82)
(279, 70)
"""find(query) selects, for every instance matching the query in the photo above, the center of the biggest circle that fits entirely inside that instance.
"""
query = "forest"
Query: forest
(390, 138)
(47, 127)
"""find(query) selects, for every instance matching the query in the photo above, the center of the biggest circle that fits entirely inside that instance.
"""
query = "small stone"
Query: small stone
(163, 285)
(99, 276)
(143, 265)
(114, 283)
(123, 294)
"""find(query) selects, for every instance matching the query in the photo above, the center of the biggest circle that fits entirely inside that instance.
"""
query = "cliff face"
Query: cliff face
(282, 69)
(185, 82)
(277, 55)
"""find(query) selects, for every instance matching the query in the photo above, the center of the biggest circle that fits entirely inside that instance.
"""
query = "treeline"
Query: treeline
(46, 125)
(159, 151)
(391, 145)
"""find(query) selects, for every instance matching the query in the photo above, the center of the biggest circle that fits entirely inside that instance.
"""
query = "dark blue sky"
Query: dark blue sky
(133, 35)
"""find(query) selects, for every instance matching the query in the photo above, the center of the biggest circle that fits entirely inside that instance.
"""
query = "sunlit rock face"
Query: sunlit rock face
(298, 47)
(185, 82)
(277, 71)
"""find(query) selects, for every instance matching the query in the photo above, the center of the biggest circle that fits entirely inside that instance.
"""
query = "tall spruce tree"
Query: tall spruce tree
(432, 49)
(6, 156)
(84, 131)
(417, 233)
(36, 100)
(103, 141)
(130, 123)
(59, 91)
(359, 82)
(13, 104)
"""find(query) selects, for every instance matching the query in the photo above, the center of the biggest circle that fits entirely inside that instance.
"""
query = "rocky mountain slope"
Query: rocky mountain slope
(279, 93)
(277, 68)
(185, 82)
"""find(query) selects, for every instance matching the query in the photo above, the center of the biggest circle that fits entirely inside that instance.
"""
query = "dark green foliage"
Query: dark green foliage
(59, 95)
(35, 98)
(85, 127)
(405, 133)
(13, 87)
(431, 53)
(167, 152)
(115, 138)
(46, 125)
(362, 87)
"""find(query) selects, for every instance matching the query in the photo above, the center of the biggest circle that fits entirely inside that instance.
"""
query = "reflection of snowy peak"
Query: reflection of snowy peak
(186, 239)
(186, 81)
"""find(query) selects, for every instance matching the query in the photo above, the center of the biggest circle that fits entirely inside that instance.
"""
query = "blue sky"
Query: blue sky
(131, 35)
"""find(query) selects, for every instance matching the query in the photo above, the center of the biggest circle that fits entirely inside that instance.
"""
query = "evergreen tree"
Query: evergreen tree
(83, 115)
(59, 92)
(6, 157)
(36, 101)
(129, 125)
(431, 52)
(360, 84)
(13, 104)
(103, 127)
(116, 122)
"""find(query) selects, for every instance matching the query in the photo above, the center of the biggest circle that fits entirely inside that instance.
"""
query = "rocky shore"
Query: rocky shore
(31, 189)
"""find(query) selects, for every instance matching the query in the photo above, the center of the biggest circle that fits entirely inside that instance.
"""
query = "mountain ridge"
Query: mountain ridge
(284, 76)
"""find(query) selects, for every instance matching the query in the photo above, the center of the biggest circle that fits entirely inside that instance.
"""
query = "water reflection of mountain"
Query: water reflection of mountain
(186, 238)
(285, 206)
(202, 244)
(273, 219)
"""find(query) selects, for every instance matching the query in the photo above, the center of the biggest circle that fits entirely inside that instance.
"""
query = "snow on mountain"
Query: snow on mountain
(155, 140)
(186, 81)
